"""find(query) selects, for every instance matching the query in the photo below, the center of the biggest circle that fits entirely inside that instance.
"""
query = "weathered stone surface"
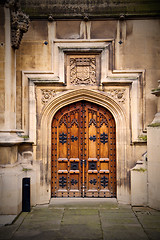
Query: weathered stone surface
(153, 149)
(76, 219)
(96, 8)
(8, 155)
(70, 30)
(129, 68)
(37, 31)
(103, 29)
(2, 65)
(1, 24)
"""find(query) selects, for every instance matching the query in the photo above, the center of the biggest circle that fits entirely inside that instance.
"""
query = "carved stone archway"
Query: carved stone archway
(44, 136)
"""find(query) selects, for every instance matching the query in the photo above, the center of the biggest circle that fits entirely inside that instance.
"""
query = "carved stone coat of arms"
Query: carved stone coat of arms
(83, 70)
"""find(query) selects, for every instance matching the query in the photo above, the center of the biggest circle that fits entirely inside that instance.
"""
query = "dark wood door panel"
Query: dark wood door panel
(83, 152)
(99, 134)
(66, 152)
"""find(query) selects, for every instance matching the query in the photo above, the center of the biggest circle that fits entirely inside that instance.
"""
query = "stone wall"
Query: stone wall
(2, 66)
(42, 56)
(90, 8)
(138, 50)
(35, 83)
(153, 134)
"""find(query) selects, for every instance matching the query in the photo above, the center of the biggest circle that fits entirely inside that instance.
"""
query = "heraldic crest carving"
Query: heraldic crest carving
(83, 71)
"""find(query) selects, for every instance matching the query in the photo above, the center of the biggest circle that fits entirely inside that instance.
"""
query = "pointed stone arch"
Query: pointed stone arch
(44, 134)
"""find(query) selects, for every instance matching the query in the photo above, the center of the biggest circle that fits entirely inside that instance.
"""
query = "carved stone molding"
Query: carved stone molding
(19, 23)
(47, 95)
(117, 94)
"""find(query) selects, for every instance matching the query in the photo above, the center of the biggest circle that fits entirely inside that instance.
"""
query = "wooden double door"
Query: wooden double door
(83, 152)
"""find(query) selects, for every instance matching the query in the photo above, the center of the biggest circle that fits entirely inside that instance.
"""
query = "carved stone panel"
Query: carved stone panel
(83, 69)
(47, 94)
(117, 94)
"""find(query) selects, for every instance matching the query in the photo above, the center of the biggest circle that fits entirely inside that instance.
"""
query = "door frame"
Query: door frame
(122, 124)
(61, 165)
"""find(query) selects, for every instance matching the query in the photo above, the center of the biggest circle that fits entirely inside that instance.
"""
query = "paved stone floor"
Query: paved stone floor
(75, 219)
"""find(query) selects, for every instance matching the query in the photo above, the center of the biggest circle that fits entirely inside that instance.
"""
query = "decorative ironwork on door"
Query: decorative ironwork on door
(83, 152)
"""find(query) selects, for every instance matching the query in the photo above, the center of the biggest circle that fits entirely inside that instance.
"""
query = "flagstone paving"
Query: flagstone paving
(85, 219)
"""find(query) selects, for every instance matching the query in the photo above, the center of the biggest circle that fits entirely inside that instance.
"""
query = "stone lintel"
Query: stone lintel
(117, 82)
(45, 79)
(12, 138)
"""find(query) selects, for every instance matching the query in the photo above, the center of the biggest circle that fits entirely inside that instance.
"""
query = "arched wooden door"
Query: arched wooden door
(83, 151)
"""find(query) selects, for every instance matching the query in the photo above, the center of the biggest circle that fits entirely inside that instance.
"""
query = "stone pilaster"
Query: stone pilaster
(153, 153)
(156, 92)
(15, 24)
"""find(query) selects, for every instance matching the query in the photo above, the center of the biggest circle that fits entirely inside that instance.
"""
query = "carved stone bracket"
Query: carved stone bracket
(47, 94)
(117, 94)
(19, 26)
(19, 23)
